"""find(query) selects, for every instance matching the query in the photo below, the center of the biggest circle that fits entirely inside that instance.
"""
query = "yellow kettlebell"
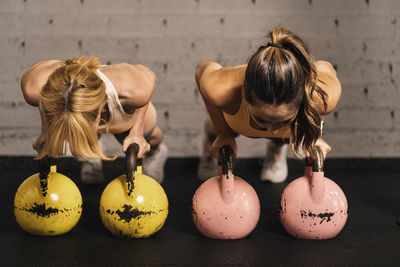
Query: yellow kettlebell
(47, 203)
(133, 205)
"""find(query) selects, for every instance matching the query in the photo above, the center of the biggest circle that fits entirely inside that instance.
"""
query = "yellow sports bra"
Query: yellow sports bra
(240, 124)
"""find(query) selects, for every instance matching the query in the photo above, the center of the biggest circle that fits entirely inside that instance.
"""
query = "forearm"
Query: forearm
(138, 121)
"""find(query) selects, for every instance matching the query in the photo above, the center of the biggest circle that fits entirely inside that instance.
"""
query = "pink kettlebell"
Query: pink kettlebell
(225, 206)
(313, 206)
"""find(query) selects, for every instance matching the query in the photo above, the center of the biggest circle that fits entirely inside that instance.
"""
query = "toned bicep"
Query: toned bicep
(329, 82)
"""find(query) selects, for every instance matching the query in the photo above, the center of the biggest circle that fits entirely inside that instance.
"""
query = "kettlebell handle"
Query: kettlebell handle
(318, 163)
(226, 155)
(44, 166)
(227, 177)
(317, 186)
(44, 169)
(132, 162)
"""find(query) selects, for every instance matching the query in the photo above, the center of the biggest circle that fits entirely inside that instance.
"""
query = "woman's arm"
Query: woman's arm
(329, 82)
(213, 95)
(136, 133)
(31, 83)
(35, 78)
(136, 91)
(221, 90)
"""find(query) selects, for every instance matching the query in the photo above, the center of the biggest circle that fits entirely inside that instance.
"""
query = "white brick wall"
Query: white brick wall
(360, 37)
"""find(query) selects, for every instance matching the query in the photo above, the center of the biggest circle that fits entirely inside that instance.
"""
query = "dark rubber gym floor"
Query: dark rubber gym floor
(371, 236)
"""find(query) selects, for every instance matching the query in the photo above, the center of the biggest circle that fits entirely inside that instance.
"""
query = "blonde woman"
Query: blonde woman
(79, 99)
(281, 94)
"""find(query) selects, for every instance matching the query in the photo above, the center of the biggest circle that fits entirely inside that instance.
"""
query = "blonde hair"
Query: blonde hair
(283, 72)
(71, 102)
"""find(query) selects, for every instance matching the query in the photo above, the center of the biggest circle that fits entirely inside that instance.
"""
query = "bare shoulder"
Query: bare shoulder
(36, 77)
(41, 69)
(329, 82)
(221, 85)
(325, 67)
(215, 73)
(134, 83)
